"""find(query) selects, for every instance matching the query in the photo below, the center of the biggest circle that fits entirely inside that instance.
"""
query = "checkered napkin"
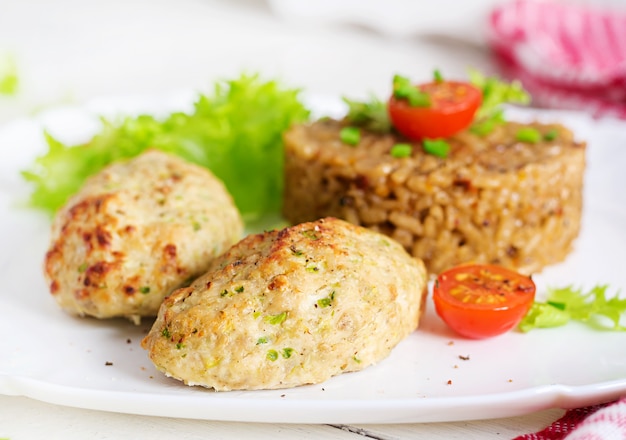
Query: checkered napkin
(598, 422)
(568, 55)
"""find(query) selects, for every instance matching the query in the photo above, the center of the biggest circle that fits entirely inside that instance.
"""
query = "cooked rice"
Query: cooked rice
(492, 200)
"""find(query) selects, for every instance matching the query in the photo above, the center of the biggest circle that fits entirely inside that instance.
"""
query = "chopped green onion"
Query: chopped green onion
(144, 289)
(401, 150)
(418, 99)
(403, 89)
(261, 340)
(528, 134)
(82, 268)
(326, 302)
(436, 147)
(401, 86)
(311, 234)
(276, 319)
(350, 135)
(287, 352)
(272, 355)
(438, 76)
(551, 135)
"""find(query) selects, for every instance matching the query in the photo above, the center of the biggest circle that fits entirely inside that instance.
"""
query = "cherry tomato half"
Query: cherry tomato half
(452, 108)
(480, 300)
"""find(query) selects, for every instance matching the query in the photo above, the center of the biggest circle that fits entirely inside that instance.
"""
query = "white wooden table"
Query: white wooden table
(70, 51)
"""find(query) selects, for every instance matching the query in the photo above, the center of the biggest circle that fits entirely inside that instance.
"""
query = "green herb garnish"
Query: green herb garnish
(551, 135)
(166, 332)
(272, 355)
(276, 319)
(144, 289)
(261, 340)
(436, 147)
(310, 234)
(569, 304)
(327, 301)
(437, 76)
(404, 89)
(236, 132)
(371, 115)
(350, 135)
(529, 135)
(485, 126)
(401, 150)
(82, 268)
(287, 352)
(495, 93)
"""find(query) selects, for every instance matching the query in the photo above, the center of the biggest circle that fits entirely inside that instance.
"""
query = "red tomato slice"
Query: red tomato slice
(479, 300)
(453, 105)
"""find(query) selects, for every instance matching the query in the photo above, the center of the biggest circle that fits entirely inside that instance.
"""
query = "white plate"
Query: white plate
(50, 356)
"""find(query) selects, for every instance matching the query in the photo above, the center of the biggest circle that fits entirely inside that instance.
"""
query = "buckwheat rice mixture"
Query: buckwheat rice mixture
(493, 199)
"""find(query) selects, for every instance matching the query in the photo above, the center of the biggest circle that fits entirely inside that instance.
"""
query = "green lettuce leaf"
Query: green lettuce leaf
(236, 132)
(496, 93)
(9, 80)
(371, 115)
(568, 304)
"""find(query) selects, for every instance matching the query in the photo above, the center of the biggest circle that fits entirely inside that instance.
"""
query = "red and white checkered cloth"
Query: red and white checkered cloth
(567, 55)
(598, 422)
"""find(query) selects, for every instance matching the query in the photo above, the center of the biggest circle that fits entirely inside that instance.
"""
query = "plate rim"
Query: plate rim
(345, 410)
